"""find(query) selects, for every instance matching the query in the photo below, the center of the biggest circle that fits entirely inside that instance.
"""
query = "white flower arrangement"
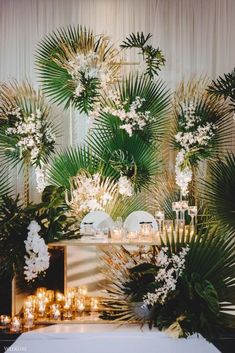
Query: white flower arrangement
(37, 258)
(131, 117)
(88, 66)
(90, 193)
(94, 193)
(30, 132)
(195, 136)
(170, 269)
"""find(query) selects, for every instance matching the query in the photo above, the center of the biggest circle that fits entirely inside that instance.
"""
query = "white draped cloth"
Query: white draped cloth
(106, 338)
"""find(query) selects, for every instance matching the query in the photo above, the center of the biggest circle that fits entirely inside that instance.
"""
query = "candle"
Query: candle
(55, 312)
(16, 324)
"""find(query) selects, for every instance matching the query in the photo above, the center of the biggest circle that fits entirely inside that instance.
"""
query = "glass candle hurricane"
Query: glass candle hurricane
(16, 324)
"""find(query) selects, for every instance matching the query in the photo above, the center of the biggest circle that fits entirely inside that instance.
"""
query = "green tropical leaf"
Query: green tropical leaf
(218, 191)
(156, 101)
(53, 54)
(129, 156)
(225, 87)
(69, 163)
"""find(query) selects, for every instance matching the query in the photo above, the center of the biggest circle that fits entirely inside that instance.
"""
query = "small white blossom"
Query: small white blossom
(125, 186)
(183, 175)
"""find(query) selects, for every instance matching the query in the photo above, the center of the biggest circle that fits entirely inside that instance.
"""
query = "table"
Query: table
(106, 338)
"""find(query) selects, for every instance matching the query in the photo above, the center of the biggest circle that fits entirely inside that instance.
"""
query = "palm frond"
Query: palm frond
(153, 57)
(5, 186)
(53, 55)
(225, 87)
(156, 101)
(218, 191)
(69, 163)
(129, 156)
(137, 40)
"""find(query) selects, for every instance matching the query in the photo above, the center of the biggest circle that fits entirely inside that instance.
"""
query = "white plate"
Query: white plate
(101, 220)
(132, 222)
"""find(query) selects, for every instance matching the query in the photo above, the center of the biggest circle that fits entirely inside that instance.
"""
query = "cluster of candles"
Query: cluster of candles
(147, 232)
(51, 305)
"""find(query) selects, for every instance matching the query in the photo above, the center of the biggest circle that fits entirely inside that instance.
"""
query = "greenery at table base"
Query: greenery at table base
(185, 286)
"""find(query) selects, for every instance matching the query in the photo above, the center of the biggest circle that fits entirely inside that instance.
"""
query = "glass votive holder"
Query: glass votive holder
(41, 308)
(132, 235)
(80, 305)
(28, 318)
(41, 292)
(55, 312)
(5, 321)
(94, 304)
(82, 291)
(117, 234)
(67, 311)
(59, 297)
(146, 231)
(168, 225)
(50, 294)
(16, 324)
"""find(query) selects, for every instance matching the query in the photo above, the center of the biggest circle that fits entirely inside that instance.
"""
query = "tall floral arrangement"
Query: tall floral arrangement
(27, 135)
(202, 128)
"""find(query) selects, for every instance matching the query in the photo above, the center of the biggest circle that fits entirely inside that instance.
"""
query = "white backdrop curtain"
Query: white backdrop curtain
(196, 36)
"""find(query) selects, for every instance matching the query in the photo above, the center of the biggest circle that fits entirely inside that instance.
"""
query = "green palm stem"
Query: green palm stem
(26, 182)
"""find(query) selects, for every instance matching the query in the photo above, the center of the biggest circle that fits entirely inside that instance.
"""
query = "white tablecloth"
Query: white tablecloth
(106, 338)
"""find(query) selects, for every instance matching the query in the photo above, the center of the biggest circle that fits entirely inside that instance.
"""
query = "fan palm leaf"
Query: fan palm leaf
(129, 156)
(5, 187)
(156, 100)
(70, 163)
(225, 87)
(52, 57)
(218, 191)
